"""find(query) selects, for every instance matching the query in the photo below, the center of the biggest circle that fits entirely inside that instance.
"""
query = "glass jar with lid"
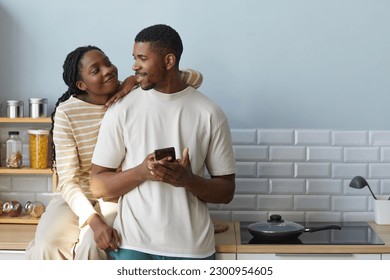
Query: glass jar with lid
(13, 147)
(39, 146)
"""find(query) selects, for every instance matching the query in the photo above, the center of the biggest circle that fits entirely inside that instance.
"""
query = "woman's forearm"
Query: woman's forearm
(107, 183)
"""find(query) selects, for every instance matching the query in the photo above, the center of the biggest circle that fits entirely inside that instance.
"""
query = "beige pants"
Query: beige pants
(59, 237)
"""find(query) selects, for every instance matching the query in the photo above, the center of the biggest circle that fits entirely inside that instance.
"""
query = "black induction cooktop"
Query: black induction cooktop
(351, 233)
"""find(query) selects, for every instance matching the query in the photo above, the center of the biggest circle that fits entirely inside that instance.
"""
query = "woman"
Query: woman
(75, 225)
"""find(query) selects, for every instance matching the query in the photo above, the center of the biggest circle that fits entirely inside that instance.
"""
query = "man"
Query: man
(163, 213)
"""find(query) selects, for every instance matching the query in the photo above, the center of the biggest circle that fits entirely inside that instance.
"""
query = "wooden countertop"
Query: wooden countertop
(18, 236)
(225, 242)
(382, 231)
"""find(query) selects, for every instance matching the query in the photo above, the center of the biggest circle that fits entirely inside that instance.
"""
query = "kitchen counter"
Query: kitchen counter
(381, 230)
(225, 242)
(18, 236)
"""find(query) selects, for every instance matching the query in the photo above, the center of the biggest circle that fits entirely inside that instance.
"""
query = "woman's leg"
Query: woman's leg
(56, 233)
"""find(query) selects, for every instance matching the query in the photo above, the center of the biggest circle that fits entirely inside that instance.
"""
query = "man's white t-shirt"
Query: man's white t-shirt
(155, 217)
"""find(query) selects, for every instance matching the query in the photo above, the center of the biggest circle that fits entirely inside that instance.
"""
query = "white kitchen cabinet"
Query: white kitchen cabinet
(11, 255)
(386, 257)
(309, 256)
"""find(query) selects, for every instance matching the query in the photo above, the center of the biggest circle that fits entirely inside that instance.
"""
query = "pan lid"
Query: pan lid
(275, 224)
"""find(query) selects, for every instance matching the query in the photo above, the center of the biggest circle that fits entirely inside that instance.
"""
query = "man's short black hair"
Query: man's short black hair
(163, 38)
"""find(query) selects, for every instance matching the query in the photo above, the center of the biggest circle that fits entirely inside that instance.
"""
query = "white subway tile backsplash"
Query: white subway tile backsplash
(385, 154)
(349, 138)
(250, 216)
(313, 137)
(379, 170)
(312, 170)
(361, 154)
(241, 202)
(275, 169)
(323, 216)
(5, 183)
(349, 203)
(283, 153)
(275, 137)
(379, 138)
(221, 215)
(246, 169)
(324, 154)
(275, 202)
(358, 216)
(371, 203)
(312, 202)
(251, 153)
(349, 170)
(252, 186)
(324, 186)
(50, 187)
(244, 136)
(287, 186)
(301, 174)
(30, 183)
(385, 187)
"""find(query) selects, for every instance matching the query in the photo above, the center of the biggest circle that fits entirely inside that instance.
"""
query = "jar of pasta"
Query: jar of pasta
(39, 147)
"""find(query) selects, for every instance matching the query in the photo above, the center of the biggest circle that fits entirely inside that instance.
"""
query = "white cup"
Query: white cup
(382, 210)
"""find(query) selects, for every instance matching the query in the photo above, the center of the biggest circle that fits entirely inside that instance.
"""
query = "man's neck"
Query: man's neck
(172, 83)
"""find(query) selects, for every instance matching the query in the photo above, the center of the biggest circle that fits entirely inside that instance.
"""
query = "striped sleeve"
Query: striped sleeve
(192, 77)
(68, 168)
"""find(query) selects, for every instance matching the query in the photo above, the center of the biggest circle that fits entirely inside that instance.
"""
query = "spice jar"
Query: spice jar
(38, 107)
(39, 146)
(14, 109)
(35, 209)
(13, 147)
(12, 208)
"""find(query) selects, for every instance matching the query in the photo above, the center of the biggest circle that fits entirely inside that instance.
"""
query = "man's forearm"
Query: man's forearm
(219, 189)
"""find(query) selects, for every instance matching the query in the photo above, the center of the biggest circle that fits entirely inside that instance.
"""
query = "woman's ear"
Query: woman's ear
(170, 61)
(81, 85)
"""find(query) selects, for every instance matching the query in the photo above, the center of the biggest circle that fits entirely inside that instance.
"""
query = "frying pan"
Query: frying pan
(276, 229)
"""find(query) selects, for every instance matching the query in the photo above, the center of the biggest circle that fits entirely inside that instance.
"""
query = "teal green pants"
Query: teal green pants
(125, 254)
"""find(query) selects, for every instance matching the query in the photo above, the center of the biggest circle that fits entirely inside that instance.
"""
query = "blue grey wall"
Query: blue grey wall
(304, 64)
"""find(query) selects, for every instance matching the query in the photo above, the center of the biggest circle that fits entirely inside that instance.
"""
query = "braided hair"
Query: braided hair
(71, 74)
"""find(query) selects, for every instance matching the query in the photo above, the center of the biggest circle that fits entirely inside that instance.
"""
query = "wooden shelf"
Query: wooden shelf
(25, 219)
(25, 120)
(22, 219)
(25, 170)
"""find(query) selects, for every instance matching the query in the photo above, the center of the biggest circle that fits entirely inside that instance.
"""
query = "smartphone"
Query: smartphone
(163, 153)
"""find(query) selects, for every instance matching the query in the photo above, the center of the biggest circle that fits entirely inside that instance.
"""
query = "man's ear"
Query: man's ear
(81, 85)
(170, 61)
